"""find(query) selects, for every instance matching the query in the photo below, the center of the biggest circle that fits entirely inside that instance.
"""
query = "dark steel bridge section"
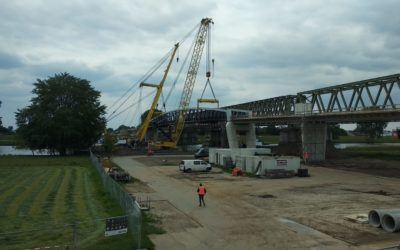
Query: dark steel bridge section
(277, 106)
(376, 99)
(195, 117)
(380, 93)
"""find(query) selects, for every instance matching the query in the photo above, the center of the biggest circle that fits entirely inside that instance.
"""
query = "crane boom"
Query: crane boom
(141, 133)
(189, 82)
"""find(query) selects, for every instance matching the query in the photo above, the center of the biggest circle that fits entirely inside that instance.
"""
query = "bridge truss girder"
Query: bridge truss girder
(380, 93)
(282, 105)
(193, 116)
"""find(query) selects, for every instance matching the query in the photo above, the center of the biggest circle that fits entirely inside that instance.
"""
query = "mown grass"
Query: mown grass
(376, 152)
(41, 197)
(269, 139)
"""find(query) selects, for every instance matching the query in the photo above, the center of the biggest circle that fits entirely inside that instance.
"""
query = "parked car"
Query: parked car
(194, 165)
(201, 153)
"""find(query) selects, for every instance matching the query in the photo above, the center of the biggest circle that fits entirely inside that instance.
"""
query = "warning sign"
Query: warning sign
(281, 163)
(116, 225)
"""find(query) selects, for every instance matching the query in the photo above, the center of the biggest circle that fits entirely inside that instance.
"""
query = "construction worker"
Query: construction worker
(201, 191)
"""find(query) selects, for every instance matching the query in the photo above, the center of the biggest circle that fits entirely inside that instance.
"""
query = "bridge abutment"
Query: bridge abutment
(313, 135)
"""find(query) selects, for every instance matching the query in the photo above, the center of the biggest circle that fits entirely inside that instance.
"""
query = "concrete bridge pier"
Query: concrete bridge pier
(313, 135)
(240, 135)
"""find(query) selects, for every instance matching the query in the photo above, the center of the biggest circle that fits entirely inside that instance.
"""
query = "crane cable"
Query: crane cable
(208, 66)
(146, 76)
(211, 48)
(127, 115)
(142, 79)
(146, 96)
(138, 106)
(179, 73)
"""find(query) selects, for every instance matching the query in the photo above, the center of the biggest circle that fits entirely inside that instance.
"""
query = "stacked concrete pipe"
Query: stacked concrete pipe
(388, 219)
(391, 222)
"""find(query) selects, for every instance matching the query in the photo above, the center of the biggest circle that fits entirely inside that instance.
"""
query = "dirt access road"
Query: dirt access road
(252, 213)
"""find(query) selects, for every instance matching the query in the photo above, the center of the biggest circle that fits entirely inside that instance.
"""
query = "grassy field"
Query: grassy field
(269, 139)
(41, 197)
(7, 140)
(378, 152)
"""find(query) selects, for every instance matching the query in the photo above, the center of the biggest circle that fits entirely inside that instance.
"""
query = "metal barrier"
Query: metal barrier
(127, 202)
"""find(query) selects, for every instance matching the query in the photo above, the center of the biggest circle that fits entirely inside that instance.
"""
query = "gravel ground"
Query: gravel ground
(251, 213)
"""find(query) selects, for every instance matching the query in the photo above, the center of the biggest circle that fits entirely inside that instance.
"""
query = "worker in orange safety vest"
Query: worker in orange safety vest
(201, 191)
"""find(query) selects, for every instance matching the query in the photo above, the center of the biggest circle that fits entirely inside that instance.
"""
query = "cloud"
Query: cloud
(9, 61)
(262, 49)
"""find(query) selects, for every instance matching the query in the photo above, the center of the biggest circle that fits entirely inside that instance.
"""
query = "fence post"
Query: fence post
(74, 236)
(139, 230)
(125, 201)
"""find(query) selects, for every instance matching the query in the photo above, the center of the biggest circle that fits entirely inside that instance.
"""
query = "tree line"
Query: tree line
(65, 115)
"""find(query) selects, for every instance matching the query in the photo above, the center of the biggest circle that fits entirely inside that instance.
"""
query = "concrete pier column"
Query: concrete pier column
(239, 134)
(313, 135)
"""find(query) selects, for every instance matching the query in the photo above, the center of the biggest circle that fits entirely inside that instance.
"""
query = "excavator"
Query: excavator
(202, 39)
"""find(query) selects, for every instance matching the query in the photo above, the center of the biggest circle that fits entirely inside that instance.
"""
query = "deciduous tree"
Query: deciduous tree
(65, 115)
(372, 129)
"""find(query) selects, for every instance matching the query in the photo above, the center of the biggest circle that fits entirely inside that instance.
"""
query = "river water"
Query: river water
(364, 145)
(11, 150)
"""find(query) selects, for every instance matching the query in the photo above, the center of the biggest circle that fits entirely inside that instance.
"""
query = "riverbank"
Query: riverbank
(8, 140)
(391, 153)
(274, 139)
(363, 139)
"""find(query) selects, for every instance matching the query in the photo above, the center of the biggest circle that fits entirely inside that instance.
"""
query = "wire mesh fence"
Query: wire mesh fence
(126, 201)
(60, 211)
(78, 235)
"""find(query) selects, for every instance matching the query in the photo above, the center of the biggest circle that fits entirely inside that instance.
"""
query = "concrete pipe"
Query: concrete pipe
(391, 222)
(375, 216)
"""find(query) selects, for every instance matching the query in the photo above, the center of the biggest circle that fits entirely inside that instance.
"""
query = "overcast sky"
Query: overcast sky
(262, 49)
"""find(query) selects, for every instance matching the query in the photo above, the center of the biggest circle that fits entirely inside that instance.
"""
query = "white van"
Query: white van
(194, 165)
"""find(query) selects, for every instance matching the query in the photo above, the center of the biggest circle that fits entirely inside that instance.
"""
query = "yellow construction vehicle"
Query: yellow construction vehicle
(141, 132)
(200, 41)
